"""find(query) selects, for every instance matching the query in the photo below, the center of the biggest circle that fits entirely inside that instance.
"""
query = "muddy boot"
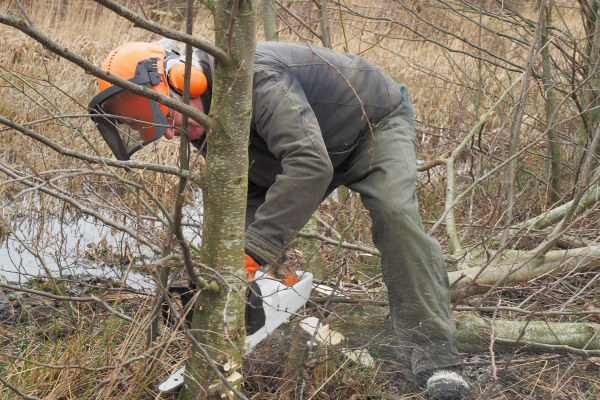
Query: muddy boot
(446, 384)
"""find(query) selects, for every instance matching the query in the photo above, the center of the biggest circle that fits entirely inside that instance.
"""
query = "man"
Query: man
(309, 135)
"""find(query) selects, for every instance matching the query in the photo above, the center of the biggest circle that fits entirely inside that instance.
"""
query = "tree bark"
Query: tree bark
(218, 320)
(325, 31)
(553, 143)
(311, 250)
(270, 21)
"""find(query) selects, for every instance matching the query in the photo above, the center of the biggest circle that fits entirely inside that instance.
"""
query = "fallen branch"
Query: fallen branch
(373, 329)
(541, 336)
(524, 269)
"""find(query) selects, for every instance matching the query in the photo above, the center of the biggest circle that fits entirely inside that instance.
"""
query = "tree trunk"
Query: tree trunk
(553, 143)
(218, 320)
(325, 32)
(311, 250)
(270, 21)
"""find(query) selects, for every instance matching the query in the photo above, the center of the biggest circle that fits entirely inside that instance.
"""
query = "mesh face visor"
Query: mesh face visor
(136, 110)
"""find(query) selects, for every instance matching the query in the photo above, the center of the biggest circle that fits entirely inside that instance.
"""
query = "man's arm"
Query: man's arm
(289, 127)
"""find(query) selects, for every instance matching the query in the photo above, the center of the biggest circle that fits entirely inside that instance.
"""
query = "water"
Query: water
(82, 246)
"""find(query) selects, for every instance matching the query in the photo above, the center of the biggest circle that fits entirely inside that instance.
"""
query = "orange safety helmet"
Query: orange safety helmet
(150, 65)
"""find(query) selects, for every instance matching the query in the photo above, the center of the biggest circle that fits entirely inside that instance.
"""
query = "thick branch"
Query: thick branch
(373, 329)
(540, 336)
(521, 269)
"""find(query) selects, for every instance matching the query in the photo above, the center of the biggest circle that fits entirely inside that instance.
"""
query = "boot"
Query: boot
(445, 384)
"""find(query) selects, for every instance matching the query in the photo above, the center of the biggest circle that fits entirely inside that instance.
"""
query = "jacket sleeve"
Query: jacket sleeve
(285, 120)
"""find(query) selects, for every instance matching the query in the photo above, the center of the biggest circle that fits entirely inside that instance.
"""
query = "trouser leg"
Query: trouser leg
(412, 262)
(256, 196)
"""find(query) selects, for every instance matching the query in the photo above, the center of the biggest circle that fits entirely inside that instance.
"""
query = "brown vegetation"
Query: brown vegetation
(503, 265)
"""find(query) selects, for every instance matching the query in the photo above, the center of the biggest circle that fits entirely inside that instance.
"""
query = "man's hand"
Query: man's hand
(194, 128)
(286, 274)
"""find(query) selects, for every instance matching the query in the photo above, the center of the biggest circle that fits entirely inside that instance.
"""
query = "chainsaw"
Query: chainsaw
(268, 305)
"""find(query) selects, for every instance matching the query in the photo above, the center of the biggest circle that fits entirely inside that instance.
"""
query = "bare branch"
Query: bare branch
(141, 22)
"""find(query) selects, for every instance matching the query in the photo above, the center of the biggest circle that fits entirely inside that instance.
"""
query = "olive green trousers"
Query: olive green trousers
(411, 261)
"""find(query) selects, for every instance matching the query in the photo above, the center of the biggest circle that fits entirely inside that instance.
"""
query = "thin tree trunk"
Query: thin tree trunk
(325, 31)
(344, 204)
(270, 21)
(553, 143)
(515, 129)
(311, 250)
(218, 320)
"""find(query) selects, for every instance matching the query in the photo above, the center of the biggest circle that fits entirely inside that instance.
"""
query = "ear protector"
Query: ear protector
(198, 82)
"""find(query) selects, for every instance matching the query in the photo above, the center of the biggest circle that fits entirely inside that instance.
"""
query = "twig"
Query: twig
(17, 391)
(229, 33)
(100, 160)
(25, 14)
(365, 302)
(89, 211)
(345, 245)
(492, 338)
(69, 298)
(523, 311)
(299, 19)
(73, 366)
(431, 164)
(98, 72)
(151, 26)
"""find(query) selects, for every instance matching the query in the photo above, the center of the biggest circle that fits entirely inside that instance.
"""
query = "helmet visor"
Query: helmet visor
(140, 113)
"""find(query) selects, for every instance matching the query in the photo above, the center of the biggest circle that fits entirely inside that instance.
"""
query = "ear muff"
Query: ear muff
(198, 82)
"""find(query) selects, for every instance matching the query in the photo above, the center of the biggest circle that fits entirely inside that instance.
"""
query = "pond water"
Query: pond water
(81, 246)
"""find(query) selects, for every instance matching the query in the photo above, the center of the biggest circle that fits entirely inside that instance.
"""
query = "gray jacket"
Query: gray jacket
(306, 122)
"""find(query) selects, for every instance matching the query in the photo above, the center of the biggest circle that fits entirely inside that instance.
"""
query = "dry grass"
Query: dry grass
(444, 89)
